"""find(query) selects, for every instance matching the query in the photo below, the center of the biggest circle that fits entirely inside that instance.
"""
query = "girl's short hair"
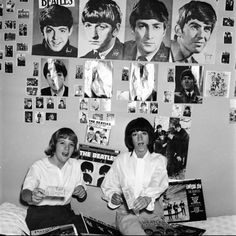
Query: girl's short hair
(139, 124)
(62, 133)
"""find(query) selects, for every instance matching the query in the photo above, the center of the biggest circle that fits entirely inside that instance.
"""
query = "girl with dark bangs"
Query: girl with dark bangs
(140, 174)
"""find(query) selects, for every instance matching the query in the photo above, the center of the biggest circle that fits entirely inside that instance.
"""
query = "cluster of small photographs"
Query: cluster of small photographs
(228, 24)
(145, 107)
(14, 51)
(179, 110)
(35, 109)
(88, 108)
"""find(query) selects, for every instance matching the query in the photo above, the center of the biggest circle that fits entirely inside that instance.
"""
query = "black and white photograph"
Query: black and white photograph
(55, 29)
(118, 117)
(217, 83)
(147, 31)
(54, 77)
(194, 29)
(142, 83)
(171, 139)
(98, 77)
(188, 84)
(101, 29)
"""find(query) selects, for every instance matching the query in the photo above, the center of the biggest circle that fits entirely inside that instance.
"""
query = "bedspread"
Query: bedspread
(12, 220)
(221, 225)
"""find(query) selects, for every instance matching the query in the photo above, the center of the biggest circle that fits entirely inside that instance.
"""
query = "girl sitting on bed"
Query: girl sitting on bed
(52, 181)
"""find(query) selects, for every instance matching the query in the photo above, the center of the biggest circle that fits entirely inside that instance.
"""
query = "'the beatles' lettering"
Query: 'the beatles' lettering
(65, 3)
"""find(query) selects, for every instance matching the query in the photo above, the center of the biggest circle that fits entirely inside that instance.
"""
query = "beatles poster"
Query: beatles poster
(95, 163)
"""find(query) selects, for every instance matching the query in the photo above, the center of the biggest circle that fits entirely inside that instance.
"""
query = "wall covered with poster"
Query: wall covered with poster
(53, 77)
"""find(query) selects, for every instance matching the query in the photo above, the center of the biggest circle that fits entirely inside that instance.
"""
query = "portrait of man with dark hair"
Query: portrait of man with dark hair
(100, 29)
(187, 88)
(148, 24)
(58, 28)
(193, 29)
(55, 74)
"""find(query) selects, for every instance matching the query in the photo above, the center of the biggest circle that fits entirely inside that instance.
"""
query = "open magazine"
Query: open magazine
(183, 201)
(56, 230)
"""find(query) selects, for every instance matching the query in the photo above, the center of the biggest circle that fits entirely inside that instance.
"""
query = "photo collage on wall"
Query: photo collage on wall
(116, 67)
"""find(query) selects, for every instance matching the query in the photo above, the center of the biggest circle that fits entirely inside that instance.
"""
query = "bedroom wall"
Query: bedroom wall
(212, 149)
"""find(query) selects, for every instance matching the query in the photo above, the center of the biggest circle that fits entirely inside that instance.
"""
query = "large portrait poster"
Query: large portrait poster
(55, 28)
(95, 163)
(205, 51)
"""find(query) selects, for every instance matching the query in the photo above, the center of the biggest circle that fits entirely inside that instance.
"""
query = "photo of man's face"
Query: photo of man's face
(56, 37)
(194, 35)
(99, 35)
(187, 83)
(149, 35)
(55, 80)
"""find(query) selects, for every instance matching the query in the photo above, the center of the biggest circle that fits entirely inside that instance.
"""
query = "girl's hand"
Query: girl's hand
(38, 195)
(141, 203)
(79, 192)
(116, 199)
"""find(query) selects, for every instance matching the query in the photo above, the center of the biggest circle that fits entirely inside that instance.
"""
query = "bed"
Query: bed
(12, 222)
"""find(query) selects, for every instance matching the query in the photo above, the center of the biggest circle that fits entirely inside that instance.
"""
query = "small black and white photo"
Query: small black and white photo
(22, 47)
(23, 14)
(28, 103)
(125, 74)
(188, 84)
(61, 103)
(229, 5)
(32, 82)
(228, 21)
(31, 91)
(225, 58)
(23, 29)
(8, 50)
(10, 6)
(51, 116)
(21, 59)
(79, 72)
(228, 37)
(39, 101)
(9, 36)
(1, 9)
(9, 66)
(28, 116)
(50, 103)
(10, 24)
